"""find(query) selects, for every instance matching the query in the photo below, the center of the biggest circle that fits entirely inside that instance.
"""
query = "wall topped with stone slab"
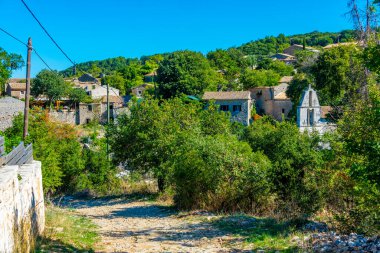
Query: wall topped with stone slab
(22, 211)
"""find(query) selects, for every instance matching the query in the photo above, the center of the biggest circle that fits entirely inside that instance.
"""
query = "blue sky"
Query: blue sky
(94, 29)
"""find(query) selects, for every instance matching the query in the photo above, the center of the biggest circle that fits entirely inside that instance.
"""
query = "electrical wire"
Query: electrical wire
(23, 43)
(47, 33)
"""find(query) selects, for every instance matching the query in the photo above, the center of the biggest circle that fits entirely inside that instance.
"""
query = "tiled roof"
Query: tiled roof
(286, 79)
(18, 86)
(281, 95)
(227, 95)
(113, 99)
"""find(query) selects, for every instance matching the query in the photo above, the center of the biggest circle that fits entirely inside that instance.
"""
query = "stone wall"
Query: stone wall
(64, 116)
(9, 107)
(22, 213)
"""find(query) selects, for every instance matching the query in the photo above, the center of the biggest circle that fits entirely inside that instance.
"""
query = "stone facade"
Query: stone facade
(238, 103)
(22, 213)
(272, 101)
(9, 108)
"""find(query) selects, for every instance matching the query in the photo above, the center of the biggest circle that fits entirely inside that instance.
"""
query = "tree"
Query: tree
(115, 80)
(133, 76)
(279, 67)
(185, 72)
(339, 74)
(296, 163)
(78, 95)
(8, 63)
(255, 78)
(50, 84)
(299, 83)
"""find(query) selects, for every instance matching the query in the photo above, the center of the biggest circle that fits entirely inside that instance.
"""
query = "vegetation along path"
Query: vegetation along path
(145, 226)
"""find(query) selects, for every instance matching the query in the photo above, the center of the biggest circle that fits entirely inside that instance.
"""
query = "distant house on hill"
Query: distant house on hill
(151, 77)
(294, 48)
(16, 90)
(311, 116)
(138, 91)
(286, 58)
(272, 100)
(238, 103)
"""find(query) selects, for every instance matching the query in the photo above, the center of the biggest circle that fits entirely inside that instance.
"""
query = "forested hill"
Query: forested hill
(272, 44)
(261, 47)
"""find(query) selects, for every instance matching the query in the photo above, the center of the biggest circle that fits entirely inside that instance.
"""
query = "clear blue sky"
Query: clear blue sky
(94, 30)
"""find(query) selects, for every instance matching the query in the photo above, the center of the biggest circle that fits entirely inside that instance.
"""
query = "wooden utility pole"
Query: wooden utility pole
(108, 118)
(27, 93)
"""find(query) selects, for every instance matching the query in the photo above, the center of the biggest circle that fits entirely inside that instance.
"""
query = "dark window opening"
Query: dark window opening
(237, 108)
(88, 121)
(310, 98)
(89, 107)
(224, 108)
(283, 110)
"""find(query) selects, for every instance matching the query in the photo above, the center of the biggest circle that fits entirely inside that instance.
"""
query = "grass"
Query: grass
(67, 232)
(262, 233)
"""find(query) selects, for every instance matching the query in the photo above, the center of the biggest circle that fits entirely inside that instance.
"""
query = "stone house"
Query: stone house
(238, 103)
(138, 91)
(311, 116)
(151, 77)
(93, 86)
(16, 90)
(272, 100)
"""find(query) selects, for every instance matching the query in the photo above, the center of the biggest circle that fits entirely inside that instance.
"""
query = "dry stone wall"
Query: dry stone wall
(22, 213)
(9, 107)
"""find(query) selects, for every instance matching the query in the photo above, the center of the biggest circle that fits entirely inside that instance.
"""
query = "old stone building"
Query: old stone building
(311, 116)
(138, 91)
(16, 90)
(272, 100)
(238, 103)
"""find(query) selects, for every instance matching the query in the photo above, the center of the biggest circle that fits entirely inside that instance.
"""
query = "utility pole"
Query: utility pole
(27, 94)
(108, 116)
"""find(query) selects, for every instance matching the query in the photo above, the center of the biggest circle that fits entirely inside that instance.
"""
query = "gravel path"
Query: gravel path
(142, 226)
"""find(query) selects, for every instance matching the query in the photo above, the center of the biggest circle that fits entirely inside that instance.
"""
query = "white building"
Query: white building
(309, 114)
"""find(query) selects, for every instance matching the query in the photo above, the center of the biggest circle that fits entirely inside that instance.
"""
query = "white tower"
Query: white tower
(309, 110)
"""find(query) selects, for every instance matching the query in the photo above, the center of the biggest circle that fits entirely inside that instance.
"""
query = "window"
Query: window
(283, 110)
(22, 92)
(139, 92)
(88, 121)
(89, 107)
(224, 108)
(237, 108)
(94, 87)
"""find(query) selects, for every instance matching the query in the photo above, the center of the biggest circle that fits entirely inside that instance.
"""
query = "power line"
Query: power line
(47, 33)
(43, 60)
(20, 41)
(10, 35)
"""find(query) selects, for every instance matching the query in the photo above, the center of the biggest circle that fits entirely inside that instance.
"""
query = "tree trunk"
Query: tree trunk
(161, 183)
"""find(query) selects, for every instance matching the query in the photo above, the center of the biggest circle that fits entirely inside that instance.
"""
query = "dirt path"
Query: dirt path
(142, 226)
